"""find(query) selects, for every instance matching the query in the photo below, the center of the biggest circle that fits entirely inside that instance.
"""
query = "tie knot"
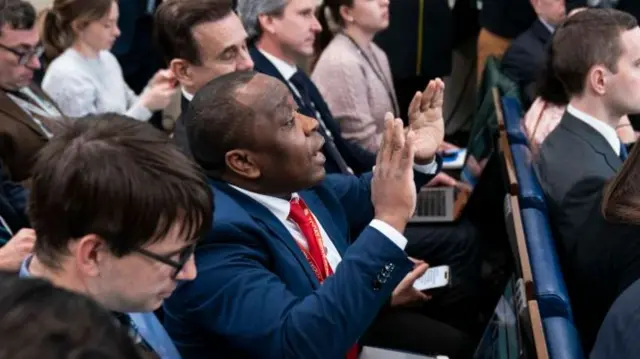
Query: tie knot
(298, 210)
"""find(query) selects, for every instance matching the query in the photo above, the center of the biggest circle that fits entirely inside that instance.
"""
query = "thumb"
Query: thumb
(417, 272)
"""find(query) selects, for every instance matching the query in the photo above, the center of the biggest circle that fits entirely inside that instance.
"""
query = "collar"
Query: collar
(278, 206)
(608, 132)
(549, 27)
(24, 267)
(285, 69)
(186, 94)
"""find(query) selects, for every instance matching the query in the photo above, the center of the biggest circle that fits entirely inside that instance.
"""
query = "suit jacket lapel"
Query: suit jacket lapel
(326, 220)
(184, 104)
(12, 110)
(263, 65)
(593, 138)
(541, 31)
(263, 216)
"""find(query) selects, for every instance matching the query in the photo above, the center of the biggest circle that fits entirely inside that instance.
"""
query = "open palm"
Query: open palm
(426, 120)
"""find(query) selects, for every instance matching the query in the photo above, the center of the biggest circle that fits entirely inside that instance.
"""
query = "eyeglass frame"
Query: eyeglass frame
(24, 57)
(187, 252)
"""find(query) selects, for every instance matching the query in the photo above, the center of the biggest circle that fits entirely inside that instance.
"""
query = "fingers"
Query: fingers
(438, 97)
(408, 151)
(427, 95)
(433, 95)
(384, 152)
(398, 144)
(414, 106)
(417, 272)
(26, 234)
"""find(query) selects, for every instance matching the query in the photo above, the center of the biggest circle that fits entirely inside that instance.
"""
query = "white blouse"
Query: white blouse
(81, 86)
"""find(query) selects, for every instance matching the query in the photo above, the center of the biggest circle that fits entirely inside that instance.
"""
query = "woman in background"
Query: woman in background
(353, 73)
(83, 77)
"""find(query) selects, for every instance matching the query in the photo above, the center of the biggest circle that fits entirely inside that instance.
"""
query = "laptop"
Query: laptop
(445, 204)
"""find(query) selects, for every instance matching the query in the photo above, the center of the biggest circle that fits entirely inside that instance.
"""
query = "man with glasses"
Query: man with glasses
(117, 211)
(26, 112)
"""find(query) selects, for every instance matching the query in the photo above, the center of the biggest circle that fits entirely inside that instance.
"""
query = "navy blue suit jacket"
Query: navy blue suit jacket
(359, 159)
(256, 296)
(13, 204)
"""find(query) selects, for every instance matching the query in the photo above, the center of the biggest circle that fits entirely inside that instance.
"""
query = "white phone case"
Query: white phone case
(435, 277)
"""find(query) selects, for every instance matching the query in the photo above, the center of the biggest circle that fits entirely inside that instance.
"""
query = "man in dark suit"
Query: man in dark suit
(299, 263)
(526, 56)
(200, 40)
(592, 55)
(26, 112)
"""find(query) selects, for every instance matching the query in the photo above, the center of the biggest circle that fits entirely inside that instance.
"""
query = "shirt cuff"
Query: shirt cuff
(428, 169)
(139, 112)
(396, 237)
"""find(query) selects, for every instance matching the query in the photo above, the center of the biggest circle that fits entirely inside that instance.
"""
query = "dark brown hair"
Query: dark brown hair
(57, 34)
(621, 199)
(326, 35)
(174, 22)
(117, 178)
(588, 38)
(40, 321)
(18, 14)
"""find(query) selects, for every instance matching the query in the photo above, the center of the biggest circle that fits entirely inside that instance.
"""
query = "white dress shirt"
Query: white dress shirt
(608, 132)
(280, 209)
(186, 94)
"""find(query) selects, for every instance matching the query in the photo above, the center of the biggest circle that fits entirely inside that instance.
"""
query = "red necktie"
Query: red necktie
(316, 256)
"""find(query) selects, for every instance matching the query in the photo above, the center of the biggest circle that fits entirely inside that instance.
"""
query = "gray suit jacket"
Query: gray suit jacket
(600, 258)
(575, 163)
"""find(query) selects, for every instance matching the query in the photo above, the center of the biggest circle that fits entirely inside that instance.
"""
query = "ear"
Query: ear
(182, 70)
(89, 252)
(77, 26)
(346, 14)
(597, 79)
(243, 163)
(266, 23)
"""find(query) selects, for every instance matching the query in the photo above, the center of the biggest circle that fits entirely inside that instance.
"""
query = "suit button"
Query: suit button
(376, 285)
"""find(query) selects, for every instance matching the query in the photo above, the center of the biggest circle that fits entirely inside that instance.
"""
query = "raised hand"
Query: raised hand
(426, 121)
(393, 191)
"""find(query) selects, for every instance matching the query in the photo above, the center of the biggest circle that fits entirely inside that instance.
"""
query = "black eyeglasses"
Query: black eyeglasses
(25, 56)
(183, 256)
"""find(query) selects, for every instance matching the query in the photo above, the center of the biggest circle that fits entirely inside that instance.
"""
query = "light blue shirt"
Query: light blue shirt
(147, 324)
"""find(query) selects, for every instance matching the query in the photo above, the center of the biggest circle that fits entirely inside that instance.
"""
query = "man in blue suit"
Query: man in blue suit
(261, 291)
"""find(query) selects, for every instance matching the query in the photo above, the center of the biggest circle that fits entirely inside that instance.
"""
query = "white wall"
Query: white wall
(40, 4)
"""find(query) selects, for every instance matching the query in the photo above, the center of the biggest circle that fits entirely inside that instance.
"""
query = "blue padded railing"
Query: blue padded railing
(562, 339)
(512, 113)
(550, 288)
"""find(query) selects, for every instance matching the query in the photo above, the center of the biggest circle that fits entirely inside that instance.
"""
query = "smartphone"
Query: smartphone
(436, 277)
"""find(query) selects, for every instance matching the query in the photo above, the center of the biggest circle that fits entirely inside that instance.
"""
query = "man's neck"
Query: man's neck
(271, 47)
(361, 37)
(595, 109)
(255, 187)
(58, 277)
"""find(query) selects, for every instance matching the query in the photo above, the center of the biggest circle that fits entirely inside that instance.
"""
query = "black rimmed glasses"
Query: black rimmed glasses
(183, 256)
(25, 56)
